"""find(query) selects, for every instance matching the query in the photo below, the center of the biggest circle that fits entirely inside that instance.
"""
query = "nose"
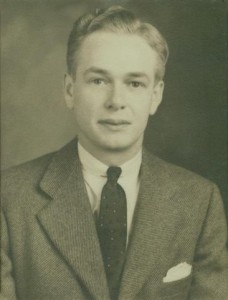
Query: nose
(116, 98)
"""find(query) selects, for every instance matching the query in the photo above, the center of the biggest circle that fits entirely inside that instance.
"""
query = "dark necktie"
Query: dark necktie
(112, 229)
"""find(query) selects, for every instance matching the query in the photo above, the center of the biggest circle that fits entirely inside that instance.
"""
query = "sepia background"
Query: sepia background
(190, 126)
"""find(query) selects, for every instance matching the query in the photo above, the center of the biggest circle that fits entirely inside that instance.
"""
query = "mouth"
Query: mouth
(114, 124)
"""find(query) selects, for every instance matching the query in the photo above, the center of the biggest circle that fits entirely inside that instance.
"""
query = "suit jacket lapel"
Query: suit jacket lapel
(69, 222)
(151, 231)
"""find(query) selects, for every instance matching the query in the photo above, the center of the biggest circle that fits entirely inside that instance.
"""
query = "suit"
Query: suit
(51, 249)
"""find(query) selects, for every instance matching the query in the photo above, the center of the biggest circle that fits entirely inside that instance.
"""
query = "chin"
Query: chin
(117, 147)
(126, 142)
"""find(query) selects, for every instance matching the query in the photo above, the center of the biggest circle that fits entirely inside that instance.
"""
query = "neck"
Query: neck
(111, 157)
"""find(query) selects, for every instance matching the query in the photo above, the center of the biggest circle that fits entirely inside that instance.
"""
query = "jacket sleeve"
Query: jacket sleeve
(7, 282)
(210, 268)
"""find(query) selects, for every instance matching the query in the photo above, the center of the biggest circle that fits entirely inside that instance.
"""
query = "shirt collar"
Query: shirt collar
(95, 167)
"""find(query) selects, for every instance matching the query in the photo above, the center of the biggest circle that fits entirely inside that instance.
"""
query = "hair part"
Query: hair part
(115, 19)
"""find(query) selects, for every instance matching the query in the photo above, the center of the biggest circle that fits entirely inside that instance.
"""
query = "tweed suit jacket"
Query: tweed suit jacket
(51, 249)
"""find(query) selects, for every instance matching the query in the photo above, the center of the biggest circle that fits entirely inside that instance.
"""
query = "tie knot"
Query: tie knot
(113, 174)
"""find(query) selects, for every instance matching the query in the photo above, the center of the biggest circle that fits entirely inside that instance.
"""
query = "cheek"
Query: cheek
(86, 100)
(86, 112)
(90, 92)
(141, 116)
(83, 111)
(142, 108)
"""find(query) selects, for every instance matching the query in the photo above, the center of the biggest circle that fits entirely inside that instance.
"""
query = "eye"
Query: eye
(136, 84)
(98, 81)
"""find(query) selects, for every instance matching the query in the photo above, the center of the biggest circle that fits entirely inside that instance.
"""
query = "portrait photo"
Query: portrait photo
(114, 150)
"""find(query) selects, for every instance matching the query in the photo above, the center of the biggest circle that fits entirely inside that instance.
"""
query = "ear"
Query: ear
(156, 96)
(68, 90)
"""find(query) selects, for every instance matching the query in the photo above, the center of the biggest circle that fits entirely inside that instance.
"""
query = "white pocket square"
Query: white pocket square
(178, 272)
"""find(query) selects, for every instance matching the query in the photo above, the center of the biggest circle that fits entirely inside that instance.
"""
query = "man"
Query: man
(102, 218)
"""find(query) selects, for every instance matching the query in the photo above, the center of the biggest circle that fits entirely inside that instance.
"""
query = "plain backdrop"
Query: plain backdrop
(190, 126)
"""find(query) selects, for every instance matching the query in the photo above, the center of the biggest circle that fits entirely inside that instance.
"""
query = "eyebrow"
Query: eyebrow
(97, 71)
(138, 75)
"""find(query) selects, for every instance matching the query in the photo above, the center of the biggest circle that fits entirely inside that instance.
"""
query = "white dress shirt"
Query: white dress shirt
(95, 177)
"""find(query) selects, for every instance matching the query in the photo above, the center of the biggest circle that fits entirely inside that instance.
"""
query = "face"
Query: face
(114, 91)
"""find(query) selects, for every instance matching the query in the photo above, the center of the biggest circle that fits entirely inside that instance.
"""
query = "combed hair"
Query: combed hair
(115, 19)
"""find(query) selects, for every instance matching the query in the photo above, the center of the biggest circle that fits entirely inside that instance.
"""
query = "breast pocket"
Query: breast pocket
(176, 290)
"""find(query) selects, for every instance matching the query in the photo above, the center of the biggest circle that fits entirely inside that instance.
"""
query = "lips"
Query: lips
(114, 125)
(114, 122)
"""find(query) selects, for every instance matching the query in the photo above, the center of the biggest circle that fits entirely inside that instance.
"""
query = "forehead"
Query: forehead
(117, 53)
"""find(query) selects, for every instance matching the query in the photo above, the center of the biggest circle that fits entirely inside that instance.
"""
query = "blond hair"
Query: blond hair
(118, 20)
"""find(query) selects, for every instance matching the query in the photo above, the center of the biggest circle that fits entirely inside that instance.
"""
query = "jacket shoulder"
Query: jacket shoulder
(27, 169)
(177, 174)
(24, 177)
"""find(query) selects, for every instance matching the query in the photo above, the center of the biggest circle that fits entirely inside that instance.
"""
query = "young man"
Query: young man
(102, 218)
